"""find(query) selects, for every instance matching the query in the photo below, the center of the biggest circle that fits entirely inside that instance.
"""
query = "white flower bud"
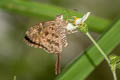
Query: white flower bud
(77, 21)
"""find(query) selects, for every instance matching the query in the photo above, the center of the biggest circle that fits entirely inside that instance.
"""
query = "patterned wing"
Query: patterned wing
(47, 35)
(52, 36)
(32, 36)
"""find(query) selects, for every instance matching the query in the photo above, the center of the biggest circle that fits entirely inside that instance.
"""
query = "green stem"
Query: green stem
(114, 73)
(14, 78)
(103, 53)
(98, 47)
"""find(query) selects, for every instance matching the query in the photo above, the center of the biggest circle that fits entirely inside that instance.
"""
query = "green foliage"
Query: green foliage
(83, 27)
(48, 12)
(86, 63)
(115, 61)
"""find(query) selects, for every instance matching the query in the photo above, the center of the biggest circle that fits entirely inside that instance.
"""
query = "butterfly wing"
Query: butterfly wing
(32, 36)
(47, 35)
(50, 37)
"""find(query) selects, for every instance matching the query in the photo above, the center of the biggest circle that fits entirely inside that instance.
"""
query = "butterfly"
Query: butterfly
(50, 36)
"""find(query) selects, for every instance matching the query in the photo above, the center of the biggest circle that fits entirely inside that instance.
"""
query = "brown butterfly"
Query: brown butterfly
(50, 35)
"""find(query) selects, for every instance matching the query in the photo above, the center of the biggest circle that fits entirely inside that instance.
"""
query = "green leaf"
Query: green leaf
(86, 63)
(118, 65)
(48, 12)
(115, 61)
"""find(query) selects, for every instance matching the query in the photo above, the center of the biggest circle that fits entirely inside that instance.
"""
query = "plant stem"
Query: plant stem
(57, 65)
(103, 53)
(14, 78)
(114, 73)
(98, 47)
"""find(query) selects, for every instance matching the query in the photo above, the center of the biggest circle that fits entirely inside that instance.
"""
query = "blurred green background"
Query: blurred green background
(29, 63)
